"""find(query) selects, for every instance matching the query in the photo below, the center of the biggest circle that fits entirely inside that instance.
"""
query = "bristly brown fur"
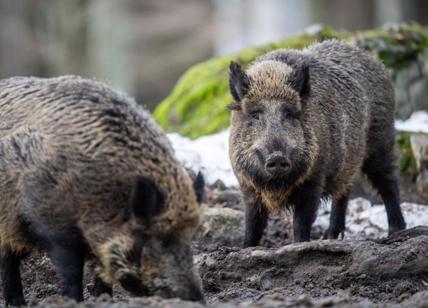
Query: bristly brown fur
(71, 150)
(268, 79)
(76, 125)
(329, 111)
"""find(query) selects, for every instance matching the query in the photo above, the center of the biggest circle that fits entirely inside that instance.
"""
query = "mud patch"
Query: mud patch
(390, 272)
(361, 270)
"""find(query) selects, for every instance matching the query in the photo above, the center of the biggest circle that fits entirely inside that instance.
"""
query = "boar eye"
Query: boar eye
(255, 115)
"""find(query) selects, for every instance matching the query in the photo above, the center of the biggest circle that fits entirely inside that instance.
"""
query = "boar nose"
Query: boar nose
(277, 163)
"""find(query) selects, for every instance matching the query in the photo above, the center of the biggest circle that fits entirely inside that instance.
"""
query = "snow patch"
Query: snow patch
(208, 154)
(364, 220)
(417, 123)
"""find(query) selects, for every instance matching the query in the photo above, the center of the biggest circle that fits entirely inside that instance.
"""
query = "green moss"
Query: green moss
(406, 162)
(196, 106)
(398, 47)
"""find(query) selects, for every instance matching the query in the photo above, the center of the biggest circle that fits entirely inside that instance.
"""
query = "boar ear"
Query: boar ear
(301, 79)
(199, 187)
(147, 200)
(238, 82)
(234, 106)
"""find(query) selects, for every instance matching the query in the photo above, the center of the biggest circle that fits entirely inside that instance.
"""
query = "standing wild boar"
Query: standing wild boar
(85, 172)
(303, 123)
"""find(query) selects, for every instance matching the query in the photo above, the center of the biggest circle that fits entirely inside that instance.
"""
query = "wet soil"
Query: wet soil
(390, 272)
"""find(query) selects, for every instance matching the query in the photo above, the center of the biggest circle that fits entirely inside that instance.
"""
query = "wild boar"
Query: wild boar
(86, 172)
(303, 123)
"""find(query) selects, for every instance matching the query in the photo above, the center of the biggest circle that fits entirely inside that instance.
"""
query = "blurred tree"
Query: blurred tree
(142, 47)
(344, 14)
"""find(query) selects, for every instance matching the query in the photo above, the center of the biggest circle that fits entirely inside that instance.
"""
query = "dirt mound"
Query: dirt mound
(346, 273)
(385, 272)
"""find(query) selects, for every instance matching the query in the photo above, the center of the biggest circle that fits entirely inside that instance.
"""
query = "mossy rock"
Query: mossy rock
(197, 104)
(397, 46)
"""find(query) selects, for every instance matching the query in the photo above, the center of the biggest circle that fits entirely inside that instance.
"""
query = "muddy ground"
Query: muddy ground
(374, 272)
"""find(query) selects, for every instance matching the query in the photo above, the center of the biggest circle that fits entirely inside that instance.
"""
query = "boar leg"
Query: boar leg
(69, 261)
(305, 201)
(256, 216)
(11, 279)
(100, 287)
(337, 217)
(380, 170)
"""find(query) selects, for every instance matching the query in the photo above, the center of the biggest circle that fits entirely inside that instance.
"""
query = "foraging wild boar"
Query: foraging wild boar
(85, 172)
(303, 123)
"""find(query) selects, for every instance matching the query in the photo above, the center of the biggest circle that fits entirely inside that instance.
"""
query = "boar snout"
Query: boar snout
(189, 290)
(277, 164)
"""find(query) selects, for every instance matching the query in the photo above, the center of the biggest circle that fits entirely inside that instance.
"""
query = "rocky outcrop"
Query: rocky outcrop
(220, 227)
(419, 144)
